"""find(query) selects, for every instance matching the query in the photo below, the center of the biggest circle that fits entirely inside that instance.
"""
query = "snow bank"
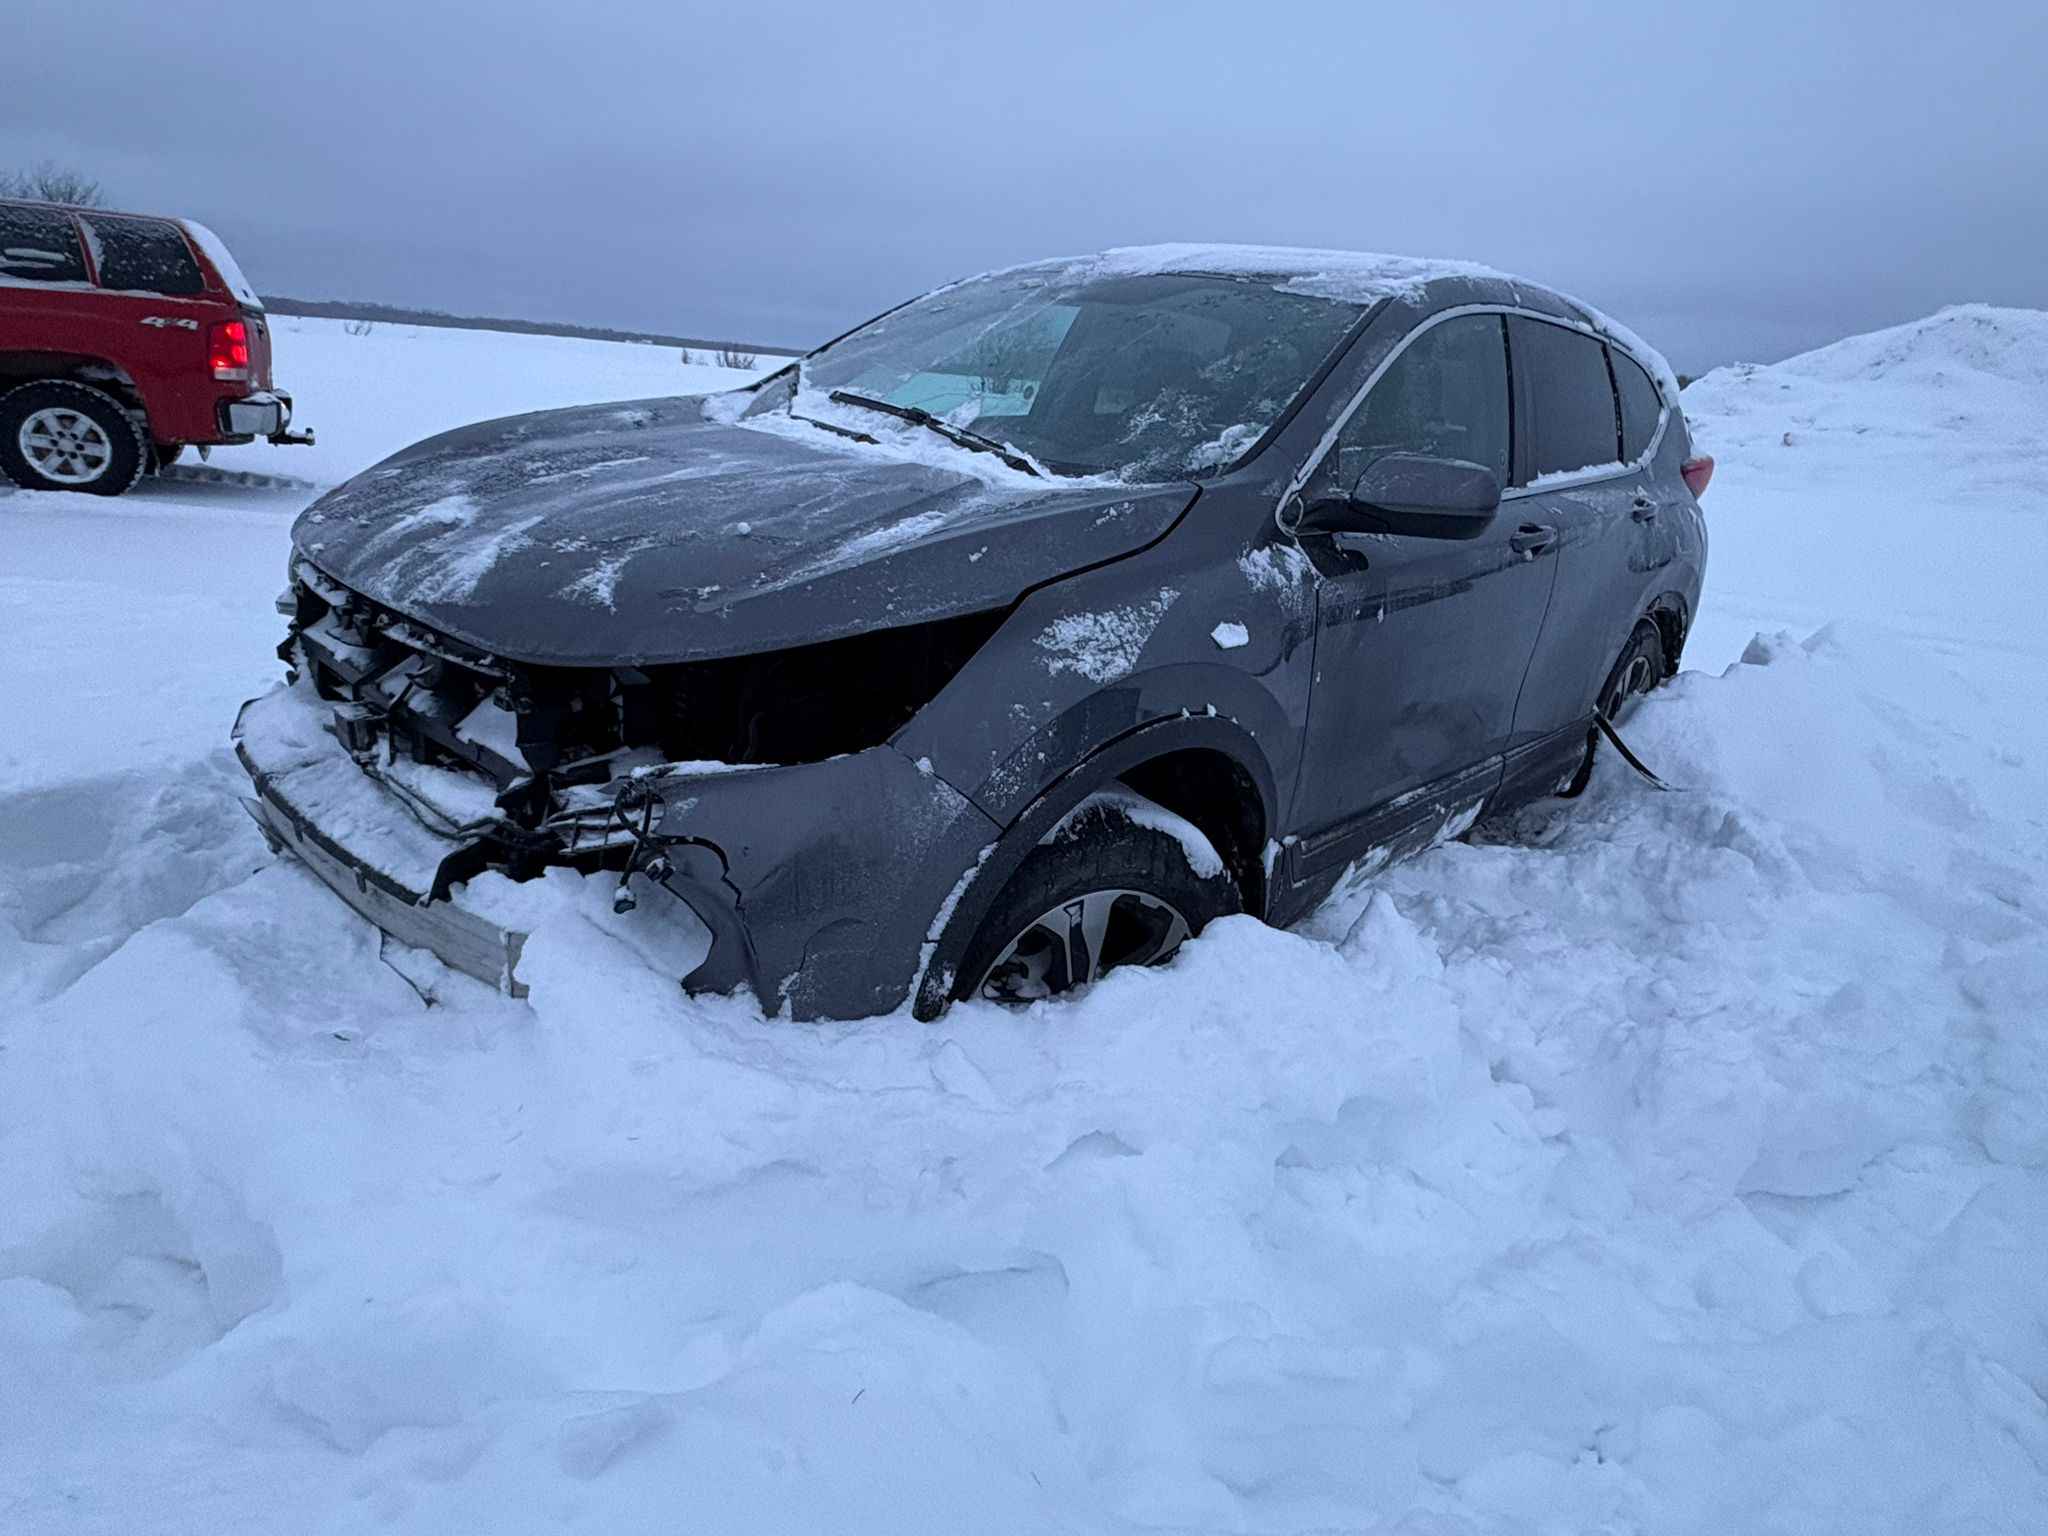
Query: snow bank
(1659, 1162)
(1899, 477)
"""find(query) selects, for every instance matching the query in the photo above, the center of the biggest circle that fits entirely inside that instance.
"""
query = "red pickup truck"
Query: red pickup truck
(124, 338)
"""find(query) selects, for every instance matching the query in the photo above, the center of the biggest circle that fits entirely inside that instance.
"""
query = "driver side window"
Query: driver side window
(1446, 396)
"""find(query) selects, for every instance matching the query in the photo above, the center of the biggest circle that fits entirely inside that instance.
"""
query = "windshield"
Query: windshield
(1142, 377)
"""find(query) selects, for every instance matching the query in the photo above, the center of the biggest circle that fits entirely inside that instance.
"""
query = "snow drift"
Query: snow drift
(1659, 1162)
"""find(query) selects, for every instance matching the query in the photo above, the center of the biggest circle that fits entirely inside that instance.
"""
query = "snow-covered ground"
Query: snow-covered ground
(1657, 1164)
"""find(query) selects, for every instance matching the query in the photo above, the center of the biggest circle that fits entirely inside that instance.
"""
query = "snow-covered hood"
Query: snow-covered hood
(644, 532)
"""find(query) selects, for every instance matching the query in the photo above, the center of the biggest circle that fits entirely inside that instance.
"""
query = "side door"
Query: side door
(1654, 506)
(1421, 643)
(150, 315)
(1575, 478)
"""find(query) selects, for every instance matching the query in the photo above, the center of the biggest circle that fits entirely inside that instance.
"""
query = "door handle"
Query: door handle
(1532, 538)
(1643, 509)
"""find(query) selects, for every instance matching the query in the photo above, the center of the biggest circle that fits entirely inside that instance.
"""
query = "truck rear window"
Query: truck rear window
(39, 245)
(144, 255)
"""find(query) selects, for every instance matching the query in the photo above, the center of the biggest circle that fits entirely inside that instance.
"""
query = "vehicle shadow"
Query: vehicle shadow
(178, 475)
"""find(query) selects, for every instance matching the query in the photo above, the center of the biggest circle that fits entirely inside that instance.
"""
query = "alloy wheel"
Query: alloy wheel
(1072, 944)
(1636, 678)
(66, 447)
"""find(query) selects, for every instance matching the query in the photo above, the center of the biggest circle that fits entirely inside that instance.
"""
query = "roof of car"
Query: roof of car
(1358, 277)
(1351, 275)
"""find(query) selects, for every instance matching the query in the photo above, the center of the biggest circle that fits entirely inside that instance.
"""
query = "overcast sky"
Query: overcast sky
(1744, 181)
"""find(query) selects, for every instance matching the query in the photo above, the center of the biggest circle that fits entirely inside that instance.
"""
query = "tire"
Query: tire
(1638, 669)
(59, 435)
(1131, 888)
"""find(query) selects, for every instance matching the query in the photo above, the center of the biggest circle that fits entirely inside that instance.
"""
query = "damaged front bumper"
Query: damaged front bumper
(312, 799)
(464, 941)
(816, 883)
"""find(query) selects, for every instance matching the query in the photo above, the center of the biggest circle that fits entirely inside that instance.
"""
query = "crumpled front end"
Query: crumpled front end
(400, 765)
(313, 799)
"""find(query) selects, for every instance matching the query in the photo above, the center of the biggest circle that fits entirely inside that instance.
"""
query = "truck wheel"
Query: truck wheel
(1103, 892)
(58, 435)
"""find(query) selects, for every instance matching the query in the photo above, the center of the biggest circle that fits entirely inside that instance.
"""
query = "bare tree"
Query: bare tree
(52, 183)
(732, 357)
(689, 361)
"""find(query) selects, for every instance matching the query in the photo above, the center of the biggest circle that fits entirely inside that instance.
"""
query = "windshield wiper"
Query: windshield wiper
(974, 442)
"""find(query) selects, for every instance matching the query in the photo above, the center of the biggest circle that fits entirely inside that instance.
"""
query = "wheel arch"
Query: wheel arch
(1206, 768)
(23, 366)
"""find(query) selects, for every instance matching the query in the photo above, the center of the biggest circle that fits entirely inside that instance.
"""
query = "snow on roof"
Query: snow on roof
(1355, 277)
(1358, 277)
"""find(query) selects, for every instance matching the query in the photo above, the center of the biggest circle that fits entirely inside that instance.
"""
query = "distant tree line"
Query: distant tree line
(393, 314)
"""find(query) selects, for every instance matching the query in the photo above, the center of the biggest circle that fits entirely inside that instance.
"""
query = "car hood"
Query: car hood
(647, 532)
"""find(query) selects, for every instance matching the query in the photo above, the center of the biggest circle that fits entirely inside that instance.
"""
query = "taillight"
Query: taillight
(227, 351)
(1697, 472)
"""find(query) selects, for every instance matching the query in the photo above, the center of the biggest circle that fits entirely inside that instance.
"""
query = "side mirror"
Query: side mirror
(1415, 494)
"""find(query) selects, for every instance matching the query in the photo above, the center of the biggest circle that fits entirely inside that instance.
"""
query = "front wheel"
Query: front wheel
(60, 435)
(1104, 890)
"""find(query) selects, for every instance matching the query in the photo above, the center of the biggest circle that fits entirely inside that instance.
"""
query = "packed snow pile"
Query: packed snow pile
(1662, 1163)
(1939, 431)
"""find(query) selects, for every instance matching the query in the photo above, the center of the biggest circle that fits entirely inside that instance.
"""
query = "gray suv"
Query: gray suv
(1010, 637)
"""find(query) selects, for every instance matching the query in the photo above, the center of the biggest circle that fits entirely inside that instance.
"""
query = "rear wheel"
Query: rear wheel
(1103, 892)
(59, 435)
(1638, 669)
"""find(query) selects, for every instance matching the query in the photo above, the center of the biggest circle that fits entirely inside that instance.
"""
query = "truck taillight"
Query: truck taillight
(1697, 472)
(227, 350)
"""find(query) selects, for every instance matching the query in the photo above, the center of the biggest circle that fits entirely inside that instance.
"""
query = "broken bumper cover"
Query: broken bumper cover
(464, 941)
(817, 883)
(313, 801)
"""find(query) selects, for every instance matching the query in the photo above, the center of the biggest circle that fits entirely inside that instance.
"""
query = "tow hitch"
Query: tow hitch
(284, 437)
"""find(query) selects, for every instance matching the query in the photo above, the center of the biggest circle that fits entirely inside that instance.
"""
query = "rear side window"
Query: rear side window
(1446, 395)
(39, 245)
(1641, 405)
(145, 255)
(1566, 403)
